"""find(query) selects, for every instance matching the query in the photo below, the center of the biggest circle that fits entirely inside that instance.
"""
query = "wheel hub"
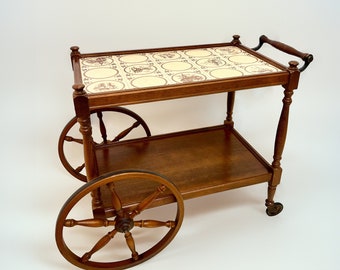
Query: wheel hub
(124, 224)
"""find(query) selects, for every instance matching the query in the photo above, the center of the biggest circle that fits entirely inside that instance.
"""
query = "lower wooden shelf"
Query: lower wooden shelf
(199, 162)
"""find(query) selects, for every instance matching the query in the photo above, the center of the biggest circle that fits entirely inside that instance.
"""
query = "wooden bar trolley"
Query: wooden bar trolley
(127, 176)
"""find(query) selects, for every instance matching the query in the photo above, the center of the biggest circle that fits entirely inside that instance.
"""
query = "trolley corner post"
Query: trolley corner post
(81, 105)
(230, 108)
(280, 139)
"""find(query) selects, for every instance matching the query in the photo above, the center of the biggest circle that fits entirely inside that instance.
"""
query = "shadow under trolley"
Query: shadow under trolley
(127, 178)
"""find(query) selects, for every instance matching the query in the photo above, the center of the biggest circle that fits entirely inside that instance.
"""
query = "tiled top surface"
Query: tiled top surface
(133, 71)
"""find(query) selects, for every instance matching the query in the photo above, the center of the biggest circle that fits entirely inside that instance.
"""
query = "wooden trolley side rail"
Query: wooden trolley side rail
(187, 90)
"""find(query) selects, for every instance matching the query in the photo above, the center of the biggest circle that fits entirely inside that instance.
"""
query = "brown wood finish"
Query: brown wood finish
(175, 166)
(198, 162)
(281, 133)
(68, 137)
(125, 220)
(230, 108)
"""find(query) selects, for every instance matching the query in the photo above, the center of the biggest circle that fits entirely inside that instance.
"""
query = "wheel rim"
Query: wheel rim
(126, 223)
(73, 160)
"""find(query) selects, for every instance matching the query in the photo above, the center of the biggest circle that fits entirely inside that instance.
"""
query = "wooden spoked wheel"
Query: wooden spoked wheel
(131, 231)
(118, 122)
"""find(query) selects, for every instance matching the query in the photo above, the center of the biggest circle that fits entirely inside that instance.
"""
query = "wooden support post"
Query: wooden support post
(281, 132)
(82, 110)
(230, 108)
(83, 118)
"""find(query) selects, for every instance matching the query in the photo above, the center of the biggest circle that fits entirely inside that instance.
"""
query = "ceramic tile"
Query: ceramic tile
(133, 71)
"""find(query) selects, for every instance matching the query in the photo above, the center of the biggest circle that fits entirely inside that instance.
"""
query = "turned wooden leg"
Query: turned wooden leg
(230, 107)
(83, 118)
(274, 208)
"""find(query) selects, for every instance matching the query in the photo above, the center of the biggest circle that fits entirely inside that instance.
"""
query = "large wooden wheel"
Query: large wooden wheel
(121, 124)
(132, 230)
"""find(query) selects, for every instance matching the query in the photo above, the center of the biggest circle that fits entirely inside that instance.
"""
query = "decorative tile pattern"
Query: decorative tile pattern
(142, 70)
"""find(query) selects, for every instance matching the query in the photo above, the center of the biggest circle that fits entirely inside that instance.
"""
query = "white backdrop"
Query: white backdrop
(223, 231)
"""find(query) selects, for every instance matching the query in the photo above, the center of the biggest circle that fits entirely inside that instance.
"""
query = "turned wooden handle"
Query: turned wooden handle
(306, 57)
(283, 47)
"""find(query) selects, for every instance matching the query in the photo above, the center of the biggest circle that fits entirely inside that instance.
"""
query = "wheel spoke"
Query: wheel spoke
(94, 222)
(125, 132)
(116, 202)
(71, 139)
(154, 223)
(131, 244)
(147, 201)
(100, 244)
(80, 168)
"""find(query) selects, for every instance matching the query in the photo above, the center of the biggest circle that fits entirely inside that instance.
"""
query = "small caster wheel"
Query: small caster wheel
(274, 209)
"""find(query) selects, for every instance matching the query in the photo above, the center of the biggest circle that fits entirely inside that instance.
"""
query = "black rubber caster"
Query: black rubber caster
(274, 209)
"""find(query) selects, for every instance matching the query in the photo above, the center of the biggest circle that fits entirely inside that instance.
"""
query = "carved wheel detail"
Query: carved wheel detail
(70, 140)
(127, 232)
